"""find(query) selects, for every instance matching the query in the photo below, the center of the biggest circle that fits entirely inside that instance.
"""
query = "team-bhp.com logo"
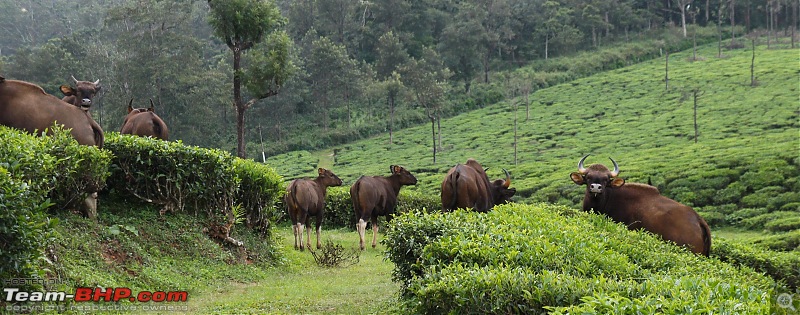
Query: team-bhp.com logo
(94, 295)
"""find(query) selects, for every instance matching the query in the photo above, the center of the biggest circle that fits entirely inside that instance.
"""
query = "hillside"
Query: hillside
(746, 158)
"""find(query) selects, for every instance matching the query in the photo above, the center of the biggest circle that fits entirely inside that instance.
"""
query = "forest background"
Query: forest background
(358, 68)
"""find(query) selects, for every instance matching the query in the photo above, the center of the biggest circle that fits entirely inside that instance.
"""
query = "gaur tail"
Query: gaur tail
(99, 137)
(706, 236)
(157, 128)
(453, 182)
(354, 196)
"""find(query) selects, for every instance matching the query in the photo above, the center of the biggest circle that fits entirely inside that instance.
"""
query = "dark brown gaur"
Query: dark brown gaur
(641, 206)
(81, 94)
(305, 198)
(375, 196)
(26, 106)
(468, 186)
(144, 122)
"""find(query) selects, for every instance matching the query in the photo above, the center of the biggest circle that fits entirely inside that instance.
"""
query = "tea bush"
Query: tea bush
(33, 168)
(789, 241)
(539, 258)
(784, 267)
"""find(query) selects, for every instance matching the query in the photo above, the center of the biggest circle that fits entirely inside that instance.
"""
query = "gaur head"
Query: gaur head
(501, 191)
(597, 177)
(83, 92)
(405, 176)
(328, 178)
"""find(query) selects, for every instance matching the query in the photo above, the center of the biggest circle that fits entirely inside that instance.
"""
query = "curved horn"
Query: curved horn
(130, 103)
(508, 179)
(152, 107)
(74, 79)
(97, 82)
(615, 172)
(582, 169)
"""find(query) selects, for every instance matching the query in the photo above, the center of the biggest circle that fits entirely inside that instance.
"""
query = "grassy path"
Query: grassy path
(302, 287)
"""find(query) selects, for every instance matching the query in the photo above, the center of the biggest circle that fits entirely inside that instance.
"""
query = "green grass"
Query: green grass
(302, 287)
(746, 156)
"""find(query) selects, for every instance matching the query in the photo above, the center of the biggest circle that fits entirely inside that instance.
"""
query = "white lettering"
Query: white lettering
(36, 297)
(10, 293)
(55, 296)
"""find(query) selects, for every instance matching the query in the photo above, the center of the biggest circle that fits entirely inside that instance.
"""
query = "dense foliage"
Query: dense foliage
(169, 51)
(539, 258)
(35, 174)
(182, 178)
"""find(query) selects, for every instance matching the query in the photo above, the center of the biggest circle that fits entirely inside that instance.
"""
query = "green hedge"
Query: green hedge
(31, 170)
(781, 266)
(339, 211)
(193, 179)
(540, 258)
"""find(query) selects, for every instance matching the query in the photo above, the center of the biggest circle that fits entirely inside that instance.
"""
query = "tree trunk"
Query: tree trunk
(666, 71)
(439, 128)
(241, 150)
(695, 116)
(546, 45)
(794, 20)
(707, 5)
(683, 20)
(515, 133)
(719, 32)
(433, 135)
(733, 34)
(391, 119)
(753, 66)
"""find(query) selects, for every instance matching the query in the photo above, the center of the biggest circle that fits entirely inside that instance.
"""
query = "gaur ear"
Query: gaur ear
(617, 182)
(577, 178)
(396, 169)
(67, 90)
(391, 169)
(321, 171)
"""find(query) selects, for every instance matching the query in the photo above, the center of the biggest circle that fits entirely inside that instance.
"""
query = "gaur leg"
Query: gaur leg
(319, 230)
(374, 231)
(308, 234)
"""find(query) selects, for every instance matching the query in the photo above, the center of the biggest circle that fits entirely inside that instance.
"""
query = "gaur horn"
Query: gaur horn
(97, 82)
(616, 168)
(508, 179)
(152, 107)
(74, 79)
(582, 169)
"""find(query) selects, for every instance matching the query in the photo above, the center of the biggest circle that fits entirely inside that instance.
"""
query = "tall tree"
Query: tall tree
(427, 77)
(332, 74)
(242, 24)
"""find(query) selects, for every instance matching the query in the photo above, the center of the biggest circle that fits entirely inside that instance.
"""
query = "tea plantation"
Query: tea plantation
(743, 171)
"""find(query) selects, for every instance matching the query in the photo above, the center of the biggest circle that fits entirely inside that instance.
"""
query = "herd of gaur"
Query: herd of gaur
(467, 186)
(28, 107)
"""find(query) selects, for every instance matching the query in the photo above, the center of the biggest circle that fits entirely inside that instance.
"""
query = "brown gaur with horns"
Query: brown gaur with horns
(468, 186)
(81, 94)
(641, 206)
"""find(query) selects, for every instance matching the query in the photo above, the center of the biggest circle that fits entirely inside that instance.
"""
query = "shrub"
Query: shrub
(759, 222)
(173, 175)
(24, 227)
(339, 207)
(781, 266)
(260, 190)
(334, 255)
(532, 258)
(781, 242)
(783, 224)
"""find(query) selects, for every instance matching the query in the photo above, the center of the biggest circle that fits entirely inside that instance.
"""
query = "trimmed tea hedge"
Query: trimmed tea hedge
(32, 169)
(193, 179)
(543, 258)
(339, 211)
